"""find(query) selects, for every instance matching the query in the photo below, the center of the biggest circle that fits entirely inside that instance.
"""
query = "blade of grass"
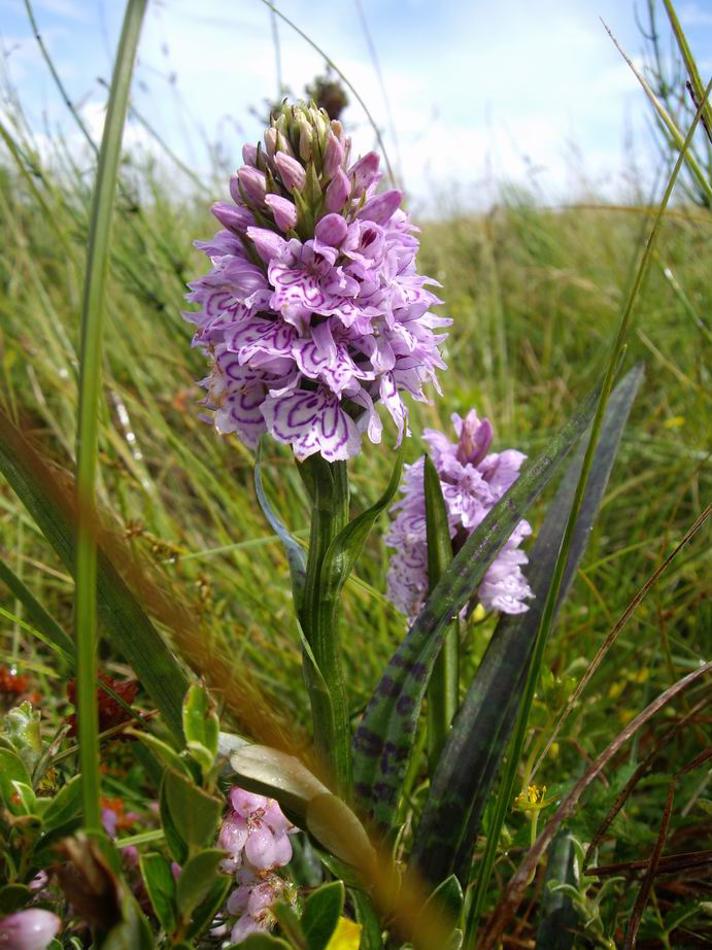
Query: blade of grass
(520, 881)
(43, 622)
(613, 635)
(667, 120)
(88, 415)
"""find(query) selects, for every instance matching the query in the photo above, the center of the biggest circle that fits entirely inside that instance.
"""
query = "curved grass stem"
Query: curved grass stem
(88, 415)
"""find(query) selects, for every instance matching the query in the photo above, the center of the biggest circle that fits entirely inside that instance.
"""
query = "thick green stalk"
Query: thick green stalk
(89, 401)
(507, 787)
(328, 488)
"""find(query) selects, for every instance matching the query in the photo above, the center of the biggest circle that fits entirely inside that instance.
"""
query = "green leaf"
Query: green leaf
(462, 783)
(132, 932)
(278, 775)
(134, 636)
(197, 877)
(65, 806)
(289, 924)
(176, 845)
(383, 740)
(164, 752)
(261, 942)
(194, 813)
(296, 556)
(43, 622)
(22, 727)
(559, 918)
(12, 770)
(448, 897)
(444, 683)
(205, 913)
(161, 888)
(322, 910)
(346, 547)
(13, 897)
(201, 726)
(25, 797)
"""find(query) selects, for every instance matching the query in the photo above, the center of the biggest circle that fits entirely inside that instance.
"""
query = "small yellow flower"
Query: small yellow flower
(615, 689)
(674, 422)
(533, 799)
(347, 935)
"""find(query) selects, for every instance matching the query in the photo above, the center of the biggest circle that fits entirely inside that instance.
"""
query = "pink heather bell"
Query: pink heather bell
(31, 929)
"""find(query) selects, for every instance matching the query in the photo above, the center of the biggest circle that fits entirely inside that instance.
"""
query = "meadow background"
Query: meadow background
(534, 292)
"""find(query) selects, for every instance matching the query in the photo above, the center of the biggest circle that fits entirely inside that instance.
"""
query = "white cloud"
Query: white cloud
(479, 89)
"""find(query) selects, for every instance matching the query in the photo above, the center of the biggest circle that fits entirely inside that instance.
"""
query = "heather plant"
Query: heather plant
(382, 824)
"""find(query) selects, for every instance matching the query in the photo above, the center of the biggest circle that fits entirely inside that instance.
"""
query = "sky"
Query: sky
(469, 94)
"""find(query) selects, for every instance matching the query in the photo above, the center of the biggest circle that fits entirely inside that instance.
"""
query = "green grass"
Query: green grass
(536, 297)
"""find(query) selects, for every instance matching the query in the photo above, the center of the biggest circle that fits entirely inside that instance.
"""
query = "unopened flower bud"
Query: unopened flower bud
(253, 183)
(267, 243)
(364, 173)
(380, 208)
(338, 191)
(305, 138)
(333, 155)
(270, 138)
(475, 439)
(233, 217)
(249, 154)
(29, 929)
(283, 211)
(291, 172)
(331, 230)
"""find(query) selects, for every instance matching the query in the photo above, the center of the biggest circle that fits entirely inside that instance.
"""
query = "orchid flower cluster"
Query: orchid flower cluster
(255, 833)
(313, 310)
(472, 479)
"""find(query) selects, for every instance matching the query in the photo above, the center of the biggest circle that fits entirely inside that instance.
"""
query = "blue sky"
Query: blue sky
(481, 91)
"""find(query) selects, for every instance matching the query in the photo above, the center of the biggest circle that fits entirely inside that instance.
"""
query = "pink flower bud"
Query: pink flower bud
(475, 439)
(29, 929)
(233, 834)
(333, 155)
(364, 173)
(247, 803)
(270, 141)
(249, 154)
(338, 191)
(253, 183)
(245, 926)
(260, 848)
(268, 244)
(291, 172)
(380, 208)
(331, 230)
(283, 210)
(233, 217)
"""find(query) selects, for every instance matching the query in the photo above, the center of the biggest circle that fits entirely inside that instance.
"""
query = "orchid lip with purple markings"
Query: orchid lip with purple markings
(472, 481)
(313, 311)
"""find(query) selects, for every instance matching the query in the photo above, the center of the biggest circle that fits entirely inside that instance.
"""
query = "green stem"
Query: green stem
(327, 483)
(443, 694)
(87, 423)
